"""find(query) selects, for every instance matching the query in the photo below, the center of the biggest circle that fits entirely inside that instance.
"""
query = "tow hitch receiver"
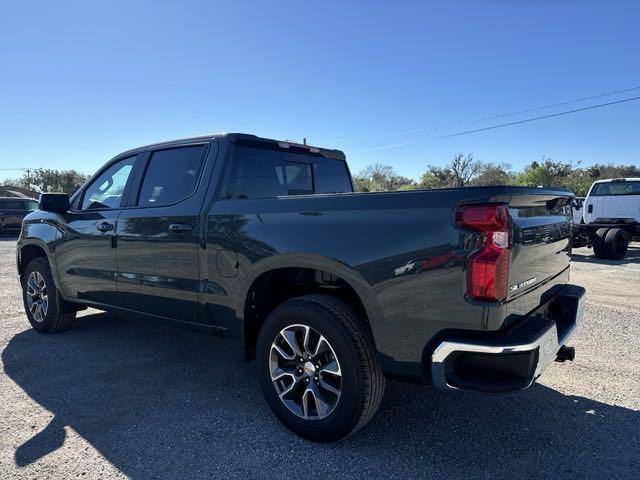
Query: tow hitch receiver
(566, 353)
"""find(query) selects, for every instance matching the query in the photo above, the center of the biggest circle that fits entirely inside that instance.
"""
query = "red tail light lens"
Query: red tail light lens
(488, 268)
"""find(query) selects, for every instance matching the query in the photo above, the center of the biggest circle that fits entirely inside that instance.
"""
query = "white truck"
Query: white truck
(609, 217)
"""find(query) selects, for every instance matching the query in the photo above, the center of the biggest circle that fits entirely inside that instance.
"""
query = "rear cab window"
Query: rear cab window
(618, 188)
(266, 173)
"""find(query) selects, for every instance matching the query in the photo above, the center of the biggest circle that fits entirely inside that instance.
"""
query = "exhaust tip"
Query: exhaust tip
(566, 353)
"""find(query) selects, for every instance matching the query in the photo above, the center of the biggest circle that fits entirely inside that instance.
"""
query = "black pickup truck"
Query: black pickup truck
(329, 290)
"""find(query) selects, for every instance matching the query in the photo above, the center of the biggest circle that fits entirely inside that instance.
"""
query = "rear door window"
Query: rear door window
(171, 176)
(256, 173)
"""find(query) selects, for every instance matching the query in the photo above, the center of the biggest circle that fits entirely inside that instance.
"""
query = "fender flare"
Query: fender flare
(316, 262)
(47, 248)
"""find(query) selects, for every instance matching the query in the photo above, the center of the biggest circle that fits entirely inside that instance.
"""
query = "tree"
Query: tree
(51, 180)
(381, 178)
(437, 177)
(602, 171)
(464, 169)
(493, 174)
(458, 173)
(548, 173)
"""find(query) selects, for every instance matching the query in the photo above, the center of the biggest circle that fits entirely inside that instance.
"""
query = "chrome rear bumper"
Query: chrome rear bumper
(514, 361)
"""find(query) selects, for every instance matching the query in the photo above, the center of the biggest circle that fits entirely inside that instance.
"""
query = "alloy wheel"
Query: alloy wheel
(37, 298)
(305, 372)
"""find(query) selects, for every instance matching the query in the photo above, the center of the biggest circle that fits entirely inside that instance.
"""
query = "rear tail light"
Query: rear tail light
(488, 268)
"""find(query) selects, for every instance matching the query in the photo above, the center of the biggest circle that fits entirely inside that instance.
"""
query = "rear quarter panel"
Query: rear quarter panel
(400, 251)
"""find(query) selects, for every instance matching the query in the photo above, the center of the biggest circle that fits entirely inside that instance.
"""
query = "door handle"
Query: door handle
(180, 227)
(105, 227)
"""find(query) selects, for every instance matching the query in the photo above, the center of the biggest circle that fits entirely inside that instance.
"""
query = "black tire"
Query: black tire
(616, 243)
(598, 243)
(59, 315)
(362, 381)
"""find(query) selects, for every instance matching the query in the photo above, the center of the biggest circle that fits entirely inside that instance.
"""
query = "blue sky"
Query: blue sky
(82, 81)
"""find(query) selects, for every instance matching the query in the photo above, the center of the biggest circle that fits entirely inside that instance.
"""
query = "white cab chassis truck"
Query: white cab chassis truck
(610, 217)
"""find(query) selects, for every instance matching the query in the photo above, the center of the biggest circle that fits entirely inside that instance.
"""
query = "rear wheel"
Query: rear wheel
(318, 367)
(45, 309)
(616, 243)
(598, 243)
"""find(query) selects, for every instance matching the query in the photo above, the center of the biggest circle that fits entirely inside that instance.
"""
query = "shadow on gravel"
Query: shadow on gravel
(162, 401)
(632, 256)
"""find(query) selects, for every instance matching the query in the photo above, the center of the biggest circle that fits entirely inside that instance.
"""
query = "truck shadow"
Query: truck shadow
(160, 401)
(632, 256)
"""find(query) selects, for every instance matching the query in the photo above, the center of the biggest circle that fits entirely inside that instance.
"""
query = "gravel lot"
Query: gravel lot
(128, 397)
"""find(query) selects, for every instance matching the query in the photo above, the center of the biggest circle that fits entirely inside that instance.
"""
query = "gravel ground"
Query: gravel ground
(126, 397)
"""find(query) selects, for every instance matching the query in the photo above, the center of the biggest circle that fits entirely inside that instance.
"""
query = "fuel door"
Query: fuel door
(227, 263)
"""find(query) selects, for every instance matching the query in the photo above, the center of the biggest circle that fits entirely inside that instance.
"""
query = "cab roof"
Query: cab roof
(628, 179)
(246, 138)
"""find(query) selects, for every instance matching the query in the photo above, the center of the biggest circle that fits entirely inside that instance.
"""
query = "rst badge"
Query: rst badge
(524, 284)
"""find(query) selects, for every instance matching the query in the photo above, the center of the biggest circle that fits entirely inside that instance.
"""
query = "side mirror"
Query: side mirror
(54, 202)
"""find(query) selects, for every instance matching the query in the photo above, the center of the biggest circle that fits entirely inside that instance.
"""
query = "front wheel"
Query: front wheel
(318, 367)
(46, 310)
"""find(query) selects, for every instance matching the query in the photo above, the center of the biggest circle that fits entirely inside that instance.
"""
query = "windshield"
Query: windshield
(615, 188)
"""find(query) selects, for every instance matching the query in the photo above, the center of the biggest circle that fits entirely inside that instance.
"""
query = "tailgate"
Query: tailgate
(540, 252)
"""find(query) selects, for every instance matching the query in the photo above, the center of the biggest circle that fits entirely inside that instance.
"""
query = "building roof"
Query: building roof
(13, 191)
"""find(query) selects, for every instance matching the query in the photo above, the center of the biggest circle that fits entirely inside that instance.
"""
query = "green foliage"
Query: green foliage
(437, 177)
(546, 173)
(491, 174)
(51, 180)
(573, 177)
(458, 173)
(381, 178)
(464, 171)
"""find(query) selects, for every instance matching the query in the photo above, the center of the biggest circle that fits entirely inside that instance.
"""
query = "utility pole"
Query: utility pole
(304, 141)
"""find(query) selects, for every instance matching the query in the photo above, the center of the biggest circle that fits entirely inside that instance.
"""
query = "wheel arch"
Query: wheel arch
(280, 278)
(31, 248)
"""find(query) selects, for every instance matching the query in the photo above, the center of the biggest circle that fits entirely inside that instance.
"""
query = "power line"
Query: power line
(493, 127)
(561, 104)
(420, 130)
(591, 107)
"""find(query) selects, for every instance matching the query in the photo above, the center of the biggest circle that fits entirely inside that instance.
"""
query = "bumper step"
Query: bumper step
(513, 361)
